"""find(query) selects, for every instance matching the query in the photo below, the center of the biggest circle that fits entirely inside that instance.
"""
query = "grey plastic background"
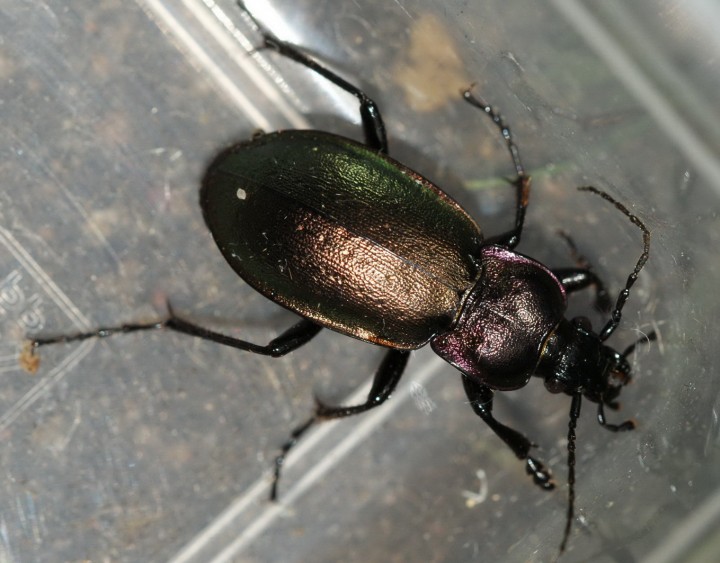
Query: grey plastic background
(156, 447)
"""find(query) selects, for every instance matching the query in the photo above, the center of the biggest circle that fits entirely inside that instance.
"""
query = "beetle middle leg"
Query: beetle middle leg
(373, 126)
(481, 401)
(521, 182)
(384, 382)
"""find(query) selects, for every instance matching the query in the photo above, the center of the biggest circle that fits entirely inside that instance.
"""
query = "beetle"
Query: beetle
(354, 241)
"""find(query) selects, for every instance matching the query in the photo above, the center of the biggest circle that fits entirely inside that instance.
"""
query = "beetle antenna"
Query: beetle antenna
(572, 425)
(616, 314)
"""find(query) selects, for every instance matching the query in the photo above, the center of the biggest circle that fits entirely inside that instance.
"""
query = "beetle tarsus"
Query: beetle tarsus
(103, 332)
(541, 476)
(372, 121)
(481, 401)
(385, 380)
(293, 338)
(602, 421)
(521, 181)
(295, 435)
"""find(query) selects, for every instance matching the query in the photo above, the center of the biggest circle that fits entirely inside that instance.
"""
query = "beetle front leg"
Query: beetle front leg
(384, 383)
(575, 279)
(481, 401)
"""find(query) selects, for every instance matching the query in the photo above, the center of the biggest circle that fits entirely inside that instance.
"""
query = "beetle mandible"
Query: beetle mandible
(352, 240)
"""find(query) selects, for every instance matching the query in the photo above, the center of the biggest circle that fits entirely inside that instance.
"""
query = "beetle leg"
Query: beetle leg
(602, 421)
(583, 276)
(575, 279)
(295, 435)
(373, 126)
(481, 401)
(292, 339)
(521, 182)
(386, 379)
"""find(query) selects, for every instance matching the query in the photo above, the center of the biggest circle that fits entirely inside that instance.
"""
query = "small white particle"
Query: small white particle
(473, 498)
(241, 194)
(421, 398)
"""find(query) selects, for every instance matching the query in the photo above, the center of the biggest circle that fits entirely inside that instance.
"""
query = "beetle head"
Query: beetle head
(575, 359)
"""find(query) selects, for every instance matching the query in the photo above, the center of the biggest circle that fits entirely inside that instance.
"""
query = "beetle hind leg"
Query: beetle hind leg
(384, 383)
(373, 125)
(481, 401)
(293, 338)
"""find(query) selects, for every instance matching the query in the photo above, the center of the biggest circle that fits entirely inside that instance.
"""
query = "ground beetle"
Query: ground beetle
(352, 240)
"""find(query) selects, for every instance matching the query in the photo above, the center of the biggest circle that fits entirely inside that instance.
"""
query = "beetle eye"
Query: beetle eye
(621, 373)
(582, 323)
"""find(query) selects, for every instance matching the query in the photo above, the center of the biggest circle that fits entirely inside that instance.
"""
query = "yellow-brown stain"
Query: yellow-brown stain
(28, 359)
(430, 71)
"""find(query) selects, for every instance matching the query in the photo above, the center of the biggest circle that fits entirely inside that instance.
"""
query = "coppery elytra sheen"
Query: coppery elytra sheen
(352, 240)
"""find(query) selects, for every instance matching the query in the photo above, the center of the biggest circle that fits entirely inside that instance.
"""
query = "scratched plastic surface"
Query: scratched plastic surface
(156, 447)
